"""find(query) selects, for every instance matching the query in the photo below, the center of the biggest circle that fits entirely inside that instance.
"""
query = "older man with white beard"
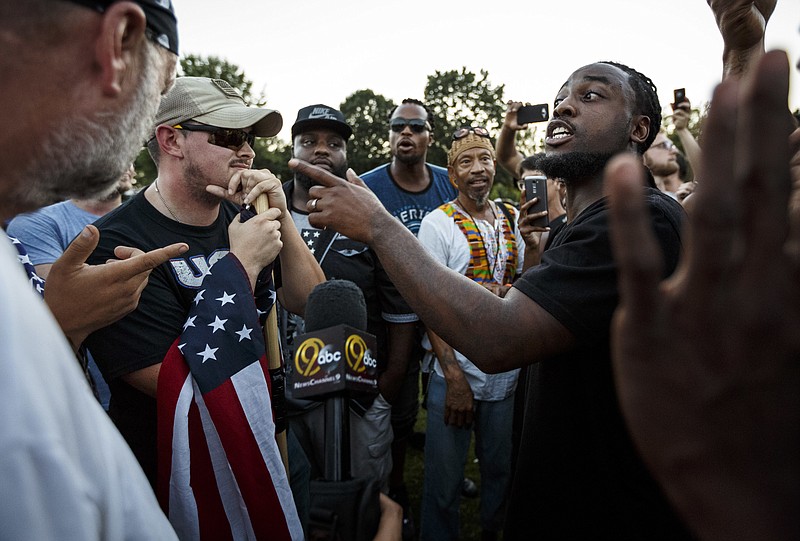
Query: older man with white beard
(475, 237)
(85, 84)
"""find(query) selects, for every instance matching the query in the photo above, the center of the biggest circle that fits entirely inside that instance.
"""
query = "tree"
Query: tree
(274, 154)
(214, 67)
(462, 98)
(271, 152)
(368, 114)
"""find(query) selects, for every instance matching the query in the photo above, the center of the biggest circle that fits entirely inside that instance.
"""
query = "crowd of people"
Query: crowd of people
(630, 370)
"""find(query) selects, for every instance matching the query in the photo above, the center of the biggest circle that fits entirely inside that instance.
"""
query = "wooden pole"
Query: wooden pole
(273, 343)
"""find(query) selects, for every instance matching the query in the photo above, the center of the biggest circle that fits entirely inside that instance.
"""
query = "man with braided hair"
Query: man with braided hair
(473, 236)
(578, 474)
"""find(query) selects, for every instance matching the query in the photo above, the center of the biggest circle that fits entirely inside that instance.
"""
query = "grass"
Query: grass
(469, 509)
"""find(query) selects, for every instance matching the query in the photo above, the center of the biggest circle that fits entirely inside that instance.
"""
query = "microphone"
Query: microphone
(335, 302)
(333, 359)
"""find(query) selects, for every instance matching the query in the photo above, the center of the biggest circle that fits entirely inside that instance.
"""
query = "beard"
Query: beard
(197, 178)
(573, 167)
(479, 197)
(307, 182)
(664, 169)
(409, 159)
(85, 156)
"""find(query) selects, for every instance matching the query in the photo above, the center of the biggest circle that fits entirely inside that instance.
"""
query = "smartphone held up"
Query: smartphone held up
(536, 186)
(533, 113)
(678, 96)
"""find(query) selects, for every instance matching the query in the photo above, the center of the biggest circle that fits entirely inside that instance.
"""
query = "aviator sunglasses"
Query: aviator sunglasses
(231, 138)
(460, 133)
(417, 125)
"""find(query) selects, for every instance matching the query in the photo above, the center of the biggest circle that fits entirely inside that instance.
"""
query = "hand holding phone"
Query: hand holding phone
(536, 186)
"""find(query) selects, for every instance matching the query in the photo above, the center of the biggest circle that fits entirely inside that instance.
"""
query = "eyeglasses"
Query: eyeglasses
(417, 125)
(460, 133)
(231, 138)
(666, 145)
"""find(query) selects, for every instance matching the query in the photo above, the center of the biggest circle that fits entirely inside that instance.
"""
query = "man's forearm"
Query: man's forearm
(507, 154)
(466, 315)
(691, 147)
(737, 63)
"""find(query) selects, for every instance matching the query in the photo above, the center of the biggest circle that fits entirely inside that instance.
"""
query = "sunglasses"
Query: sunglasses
(417, 125)
(231, 138)
(666, 145)
(460, 133)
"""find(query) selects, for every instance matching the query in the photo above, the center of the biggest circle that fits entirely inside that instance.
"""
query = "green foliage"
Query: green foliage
(368, 114)
(461, 98)
(696, 121)
(146, 171)
(274, 154)
(219, 68)
(531, 141)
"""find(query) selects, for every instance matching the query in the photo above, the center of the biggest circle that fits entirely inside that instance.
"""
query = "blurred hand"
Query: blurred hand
(531, 234)
(498, 289)
(707, 363)
(685, 190)
(390, 527)
(84, 298)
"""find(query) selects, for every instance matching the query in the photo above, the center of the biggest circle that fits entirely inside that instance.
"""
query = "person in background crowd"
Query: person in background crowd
(409, 188)
(320, 136)
(472, 236)
(661, 159)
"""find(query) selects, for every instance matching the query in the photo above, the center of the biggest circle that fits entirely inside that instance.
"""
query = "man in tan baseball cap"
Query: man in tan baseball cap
(202, 144)
(216, 103)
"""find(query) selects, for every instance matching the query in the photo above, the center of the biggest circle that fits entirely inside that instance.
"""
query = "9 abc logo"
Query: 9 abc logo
(312, 354)
(359, 357)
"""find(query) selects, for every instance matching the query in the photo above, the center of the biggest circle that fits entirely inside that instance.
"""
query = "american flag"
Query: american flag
(220, 474)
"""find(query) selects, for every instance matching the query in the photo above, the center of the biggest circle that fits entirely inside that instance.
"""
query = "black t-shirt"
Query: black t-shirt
(143, 337)
(578, 475)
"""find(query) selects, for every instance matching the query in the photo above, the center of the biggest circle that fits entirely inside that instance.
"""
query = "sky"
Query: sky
(303, 52)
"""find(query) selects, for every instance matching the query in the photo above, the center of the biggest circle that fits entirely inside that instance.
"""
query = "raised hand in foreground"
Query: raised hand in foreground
(707, 363)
